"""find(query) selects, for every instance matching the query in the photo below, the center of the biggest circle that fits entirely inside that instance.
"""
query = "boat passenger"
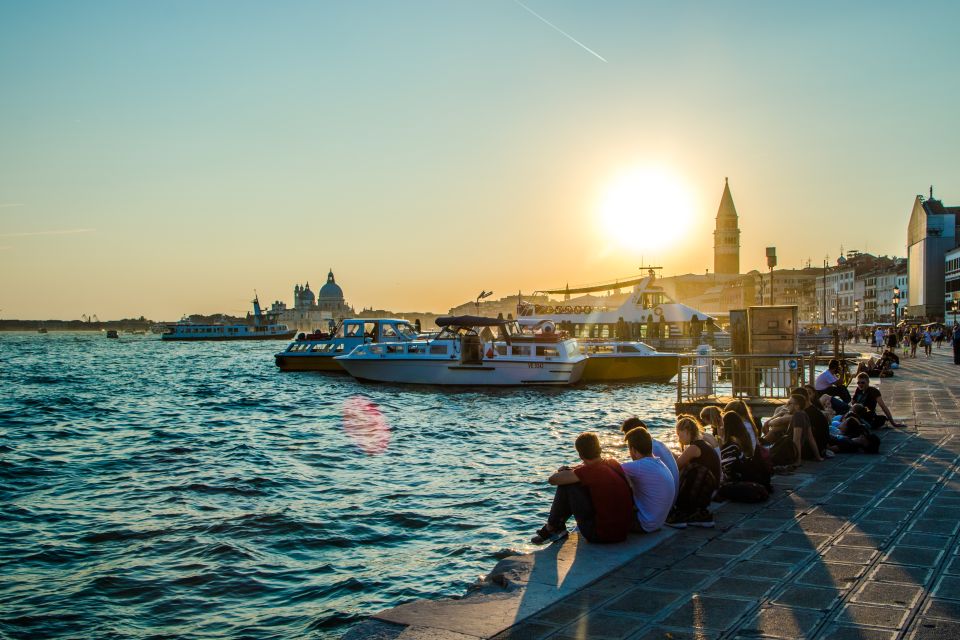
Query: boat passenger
(596, 493)
(700, 474)
(660, 450)
(654, 491)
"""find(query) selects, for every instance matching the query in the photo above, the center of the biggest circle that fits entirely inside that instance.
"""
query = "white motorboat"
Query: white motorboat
(317, 351)
(471, 351)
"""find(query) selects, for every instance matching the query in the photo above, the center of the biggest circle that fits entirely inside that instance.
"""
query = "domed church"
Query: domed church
(311, 311)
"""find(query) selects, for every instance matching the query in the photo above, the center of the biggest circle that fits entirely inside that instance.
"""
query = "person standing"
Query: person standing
(596, 493)
(956, 344)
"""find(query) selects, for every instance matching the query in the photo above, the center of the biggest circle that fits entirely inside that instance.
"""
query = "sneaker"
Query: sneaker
(545, 535)
(702, 518)
(828, 453)
(676, 520)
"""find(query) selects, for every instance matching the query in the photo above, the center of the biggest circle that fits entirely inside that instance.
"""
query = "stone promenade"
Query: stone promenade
(855, 547)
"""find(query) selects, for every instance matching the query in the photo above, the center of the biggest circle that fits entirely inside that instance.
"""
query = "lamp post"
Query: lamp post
(771, 262)
(896, 304)
(856, 321)
(954, 308)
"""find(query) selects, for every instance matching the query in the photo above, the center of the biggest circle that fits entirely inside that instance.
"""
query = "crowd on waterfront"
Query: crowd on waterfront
(725, 454)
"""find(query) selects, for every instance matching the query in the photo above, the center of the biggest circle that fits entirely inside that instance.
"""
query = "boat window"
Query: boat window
(573, 349)
(501, 349)
(353, 330)
(320, 347)
(339, 348)
(406, 331)
(370, 330)
(521, 350)
(395, 348)
(547, 351)
(417, 348)
(388, 331)
(602, 348)
(628, 349)
(438, 349)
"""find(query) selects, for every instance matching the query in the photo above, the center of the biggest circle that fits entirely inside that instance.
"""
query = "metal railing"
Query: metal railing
(740, 376)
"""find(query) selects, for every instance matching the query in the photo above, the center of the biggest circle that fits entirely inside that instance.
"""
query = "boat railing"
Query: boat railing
(704, 377)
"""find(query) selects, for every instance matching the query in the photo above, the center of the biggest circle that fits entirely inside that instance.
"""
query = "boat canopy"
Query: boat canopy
(469, 321)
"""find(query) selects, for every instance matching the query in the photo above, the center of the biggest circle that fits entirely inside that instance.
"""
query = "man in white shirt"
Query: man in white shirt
(829, 382)
(654, 491)
(660, 450)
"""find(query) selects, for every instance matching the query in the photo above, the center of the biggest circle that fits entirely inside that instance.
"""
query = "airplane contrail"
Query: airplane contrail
(560, 31)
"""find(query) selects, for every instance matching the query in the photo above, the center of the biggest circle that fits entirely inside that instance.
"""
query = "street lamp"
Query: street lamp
(856, 320)
(954, 308)
(896, 303)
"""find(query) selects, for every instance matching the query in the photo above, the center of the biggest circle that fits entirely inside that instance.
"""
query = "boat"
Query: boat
(42, 330)
(646, 313)
(317, 351)
(261, 329)
(472, 351)
(112, 333)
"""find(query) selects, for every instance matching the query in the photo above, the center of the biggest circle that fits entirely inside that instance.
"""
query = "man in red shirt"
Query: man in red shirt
(596, 493)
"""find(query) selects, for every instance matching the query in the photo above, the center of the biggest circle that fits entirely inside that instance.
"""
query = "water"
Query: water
(151, 489)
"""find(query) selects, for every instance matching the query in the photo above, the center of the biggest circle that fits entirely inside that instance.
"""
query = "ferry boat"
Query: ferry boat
(474, 351)
(317, 351)
(261, 329)
(647, 313)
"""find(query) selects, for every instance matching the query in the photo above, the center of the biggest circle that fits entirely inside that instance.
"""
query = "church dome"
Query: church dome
(331, 290)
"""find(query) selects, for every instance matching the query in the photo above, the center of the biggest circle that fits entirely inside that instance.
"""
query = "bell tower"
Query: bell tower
(726, 238)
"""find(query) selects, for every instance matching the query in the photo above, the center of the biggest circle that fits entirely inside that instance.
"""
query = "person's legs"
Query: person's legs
(572, 500)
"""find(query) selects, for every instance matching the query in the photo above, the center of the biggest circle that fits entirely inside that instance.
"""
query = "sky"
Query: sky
(172, 157)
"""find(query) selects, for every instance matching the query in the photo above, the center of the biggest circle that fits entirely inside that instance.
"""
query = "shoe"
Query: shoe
(828, 453)
(545, 535)
(676, 520)
(702, 518)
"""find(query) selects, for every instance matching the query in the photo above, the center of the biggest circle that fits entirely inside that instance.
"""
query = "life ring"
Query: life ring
(658, 311)
(588, 309)
(568, 310)
(578, 310)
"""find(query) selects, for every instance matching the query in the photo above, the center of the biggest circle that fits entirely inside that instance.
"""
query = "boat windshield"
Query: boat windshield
(406, 330)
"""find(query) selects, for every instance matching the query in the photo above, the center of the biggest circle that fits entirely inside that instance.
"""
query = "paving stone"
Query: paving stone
(938, 608)
(954, 565)
(812, 524)
(600, 625)
(843, 632)
(672, 633)
(526, 631)
(856, 555)
(782, 622)
(849, 499)
(934, 629)
(808, 597)
(744, 534)
(558, 615)
(735, 587)
(795, 540)
(859, 539)
(907, 504)
(884, 515)
(785, 556)
(677, 580)
(755, 569)
(913, 555)
(836, 511)
(709, 564)
(888, 593)
(875, 527)
(901, 573)
(707, 612)
(643, 601)
(629, 574)
(947, 587)
(728, 548)
(919, 539)
(889, 617)
(764, 524)
(831, 574)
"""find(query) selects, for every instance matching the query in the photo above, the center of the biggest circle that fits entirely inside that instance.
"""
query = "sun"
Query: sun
(646, 209)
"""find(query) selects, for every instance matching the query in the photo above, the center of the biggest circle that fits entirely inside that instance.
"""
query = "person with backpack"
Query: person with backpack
(596, 493)
(700, 474)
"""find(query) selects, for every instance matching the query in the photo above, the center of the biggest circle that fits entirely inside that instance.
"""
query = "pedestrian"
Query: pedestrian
(956, 344)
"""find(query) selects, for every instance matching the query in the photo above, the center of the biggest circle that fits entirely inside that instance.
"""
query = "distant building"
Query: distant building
(951, 282)
(726, 237)
(932, 232)
(314, 311)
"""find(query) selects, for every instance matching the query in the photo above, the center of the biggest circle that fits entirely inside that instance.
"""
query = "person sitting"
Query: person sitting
(737, 444)
(743, 410)
(881, 367)
(870, 397)
(851, 436)
(710, 417)
(654, 491)
(596, 493)
(798, 431)
(700, 474)
(660, 450)
(829, 382)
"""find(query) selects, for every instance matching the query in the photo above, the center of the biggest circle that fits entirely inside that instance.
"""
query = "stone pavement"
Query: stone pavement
(855, 547)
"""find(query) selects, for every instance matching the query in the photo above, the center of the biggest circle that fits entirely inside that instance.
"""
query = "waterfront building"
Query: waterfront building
(791, 286)
(931, 233)
(951, 282)
(848, 293)
(726, 237)
(314, 311)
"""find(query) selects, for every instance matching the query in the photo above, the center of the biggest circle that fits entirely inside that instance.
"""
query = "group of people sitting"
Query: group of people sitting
(733, 460)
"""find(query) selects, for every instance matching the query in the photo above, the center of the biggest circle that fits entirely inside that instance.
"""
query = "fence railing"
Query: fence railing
(740, 376)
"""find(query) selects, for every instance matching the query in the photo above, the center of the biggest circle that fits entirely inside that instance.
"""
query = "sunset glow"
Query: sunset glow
(646, 209)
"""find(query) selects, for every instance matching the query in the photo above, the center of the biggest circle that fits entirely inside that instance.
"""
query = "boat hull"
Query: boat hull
(201, 338)
(641, 368)
(451, 372)
(288, 362)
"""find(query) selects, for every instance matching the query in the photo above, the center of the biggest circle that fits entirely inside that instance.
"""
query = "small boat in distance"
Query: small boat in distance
(41, 330)
(112, 333)
(471, 351)
(317, 351)
(261, 329)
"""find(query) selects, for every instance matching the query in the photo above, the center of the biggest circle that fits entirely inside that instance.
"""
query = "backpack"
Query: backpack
(743, 492)
(755, 470)
(697, 485)
(784, 452)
